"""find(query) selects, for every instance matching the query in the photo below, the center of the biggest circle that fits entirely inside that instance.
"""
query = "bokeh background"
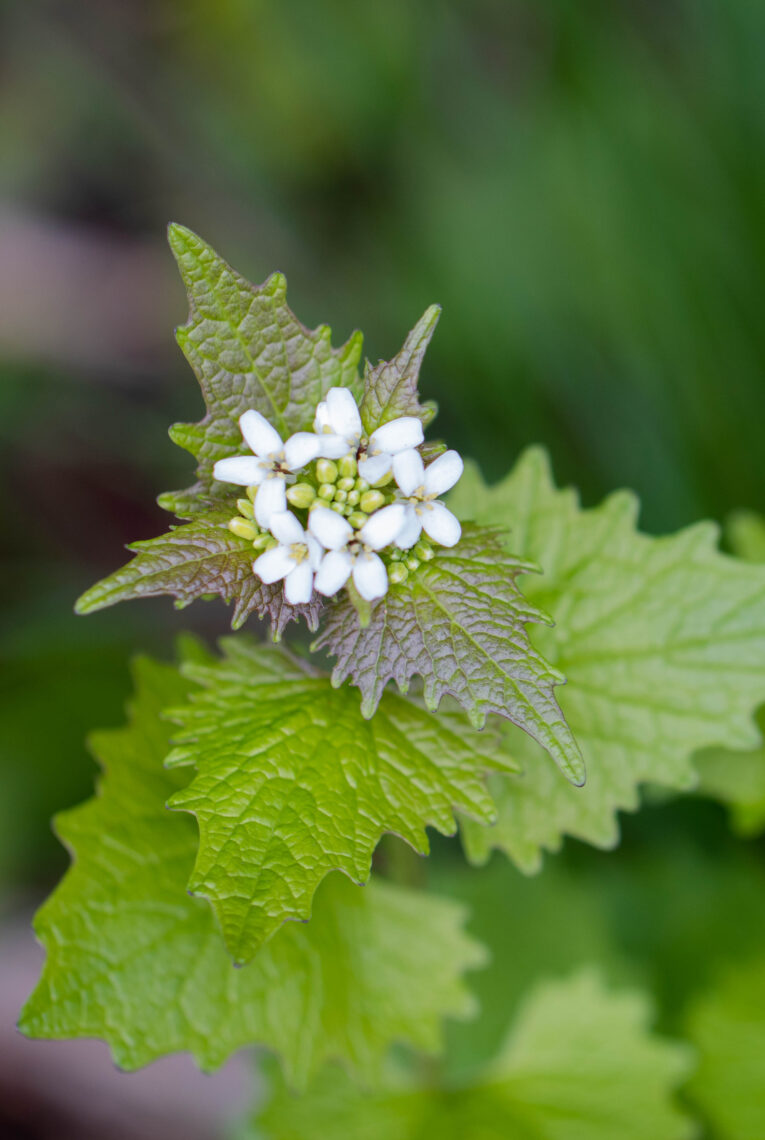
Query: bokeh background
(580, 184)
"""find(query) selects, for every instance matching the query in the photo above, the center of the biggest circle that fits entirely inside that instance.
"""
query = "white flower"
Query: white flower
(351, 552)
(339, 427)
(295, 559)
(270, 465)
(422, 485)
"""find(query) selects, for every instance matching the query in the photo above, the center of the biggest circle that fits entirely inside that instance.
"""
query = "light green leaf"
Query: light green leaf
(727, 1027)
(248, 350)
(661, 640)
(460, 623)
(132, 959)
(580, 1063)
(292, 783)
(391, 389)
(195, 560)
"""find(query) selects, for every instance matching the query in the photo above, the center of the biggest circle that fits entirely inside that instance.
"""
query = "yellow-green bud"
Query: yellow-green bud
(346, 483)
(424, 552)
(396, 555)
(411, 562)
(245, 507)
(347, 466)
(372, 501)
(326, 471)
(271, 543)
(301, 495)
(243, 528)
(357, 519)
(252, 491)
(261, 542)
(362, 486)
(353, 498)
(340, 495)
(327, 491)
(338, 507)
(397, 573)
(385, 479)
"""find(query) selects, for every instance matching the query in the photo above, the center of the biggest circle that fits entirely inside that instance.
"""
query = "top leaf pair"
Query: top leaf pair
(339, 488)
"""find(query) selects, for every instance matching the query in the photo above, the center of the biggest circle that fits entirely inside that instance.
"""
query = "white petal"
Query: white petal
(315, 552)
(244, 470)
(411, 529)
(270, 500)
(333, 446)
(383, 526)
(443, 473)
(370, 577)
(343, 411)
(258, 433)
(274, 564)
(321, 419)
(397, 435)
(298, 585)
(331, 530)
(301, 448)
(409, 471)
(441, 525)
(374, 467)
(286, 528)
(334, 572)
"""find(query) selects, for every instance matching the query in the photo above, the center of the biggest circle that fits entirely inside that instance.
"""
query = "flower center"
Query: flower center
(298, 552)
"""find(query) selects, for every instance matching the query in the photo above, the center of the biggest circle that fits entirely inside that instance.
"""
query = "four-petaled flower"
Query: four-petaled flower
(295, 559)
(352, 552)
(421, 486)
(270, 466)
(339, 428)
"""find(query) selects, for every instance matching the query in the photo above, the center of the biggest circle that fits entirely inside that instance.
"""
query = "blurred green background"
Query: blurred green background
(580, 184)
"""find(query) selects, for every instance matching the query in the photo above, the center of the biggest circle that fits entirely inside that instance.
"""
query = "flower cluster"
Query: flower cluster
(358, 510)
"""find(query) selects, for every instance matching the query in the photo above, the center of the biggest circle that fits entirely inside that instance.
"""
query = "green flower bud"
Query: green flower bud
(412, 563)
(397, 573)
(424, 551)
(346, 483)
(261, 542)
(396, 555)
(244, 506)
(338, 507)
(243, 528)
(301, 495)
(252, 491)
(385, 479)
(347, 466)
(362, 486)
(357, 519)
(340, 495)
(271, 542)
(326, 471)
(353, 498)
(327, 491)
(372, 501)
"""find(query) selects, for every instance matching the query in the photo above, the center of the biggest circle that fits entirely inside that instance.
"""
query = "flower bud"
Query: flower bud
(353, 498)
(326, 471)
(412, 563)
(243, 528)
(357, 519)
(372, 501)
(301, 495)
(244, 506)
(262, 541)
(347, 466)
(327, 491)
(346, 483)
(397, 573)
(340, 495)
(362, 486)
(385, 479)
(338, 507)
(251, 492)
(424, 551)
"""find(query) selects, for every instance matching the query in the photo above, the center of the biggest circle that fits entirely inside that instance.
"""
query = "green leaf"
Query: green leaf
(132, 959)
(727, 1028)
(661, 640)
(460, 623)
(194, 560)
(580, 1063)
(292, 783)
(248, 350)
(391, 388)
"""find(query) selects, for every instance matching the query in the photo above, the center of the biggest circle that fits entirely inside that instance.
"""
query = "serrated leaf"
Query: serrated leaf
(580, 1063)
(727, 1028)
(662, 642)
(460, 623)
(248, 350)
(391, 389)
(194, 560)
(292, 783)
(132, 959)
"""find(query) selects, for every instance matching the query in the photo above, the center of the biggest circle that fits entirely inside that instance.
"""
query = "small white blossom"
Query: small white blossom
(421, 487)
(339, 427)
(270, 465)
(354, 553)
(295, 559)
